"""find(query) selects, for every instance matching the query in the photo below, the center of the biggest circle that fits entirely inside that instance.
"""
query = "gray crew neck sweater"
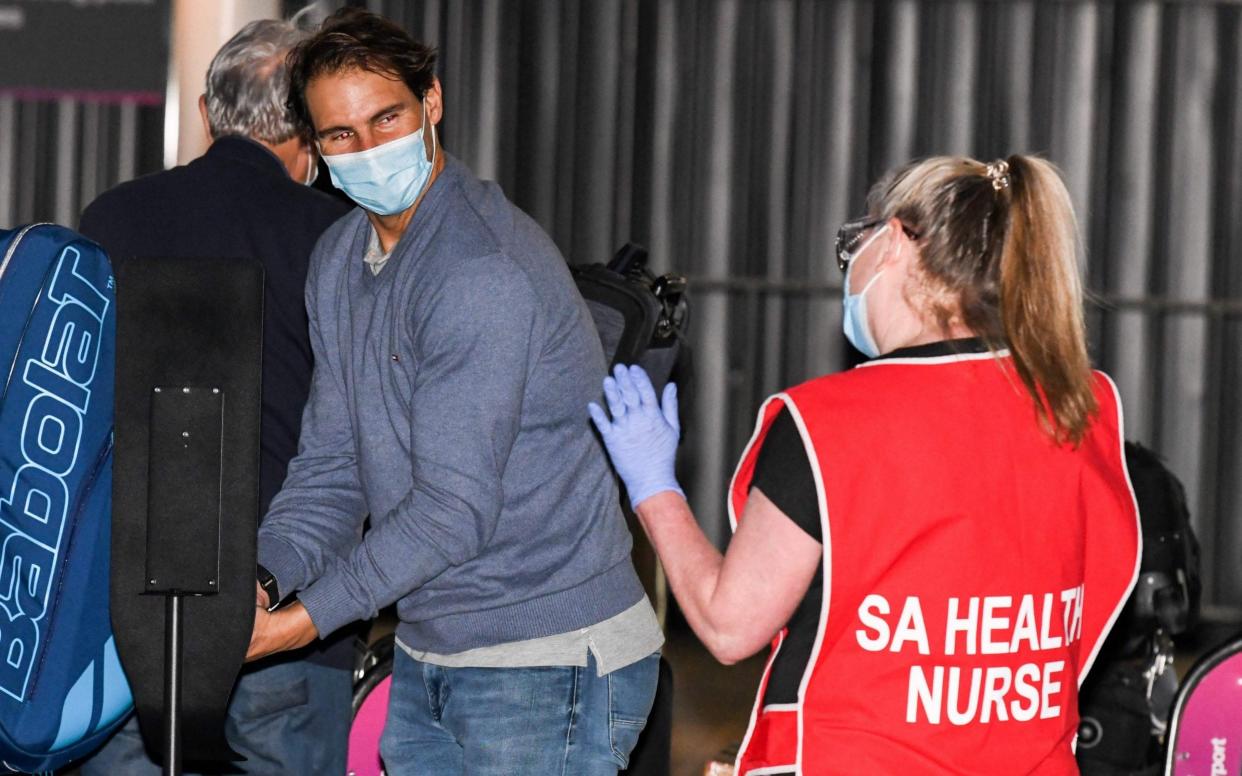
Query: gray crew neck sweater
(448, 404)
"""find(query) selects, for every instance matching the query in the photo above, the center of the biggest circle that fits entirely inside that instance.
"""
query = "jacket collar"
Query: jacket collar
(239, 148)
(430, 209)
(953, 347)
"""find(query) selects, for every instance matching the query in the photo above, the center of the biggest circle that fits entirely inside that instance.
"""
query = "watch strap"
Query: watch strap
(267, 581)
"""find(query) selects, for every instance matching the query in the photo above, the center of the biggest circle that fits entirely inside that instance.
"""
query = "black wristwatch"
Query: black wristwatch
(268, 583)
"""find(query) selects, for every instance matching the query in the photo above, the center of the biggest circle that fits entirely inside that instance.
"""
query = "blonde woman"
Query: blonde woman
(936, 542)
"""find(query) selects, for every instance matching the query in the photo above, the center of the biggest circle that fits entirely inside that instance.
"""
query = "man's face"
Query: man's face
(355, 110)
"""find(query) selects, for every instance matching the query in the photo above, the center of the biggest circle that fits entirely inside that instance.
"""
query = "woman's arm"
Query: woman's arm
(735, 603)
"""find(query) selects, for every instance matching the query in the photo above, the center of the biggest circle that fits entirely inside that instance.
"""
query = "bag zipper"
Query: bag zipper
(4, 389)
(13, 245)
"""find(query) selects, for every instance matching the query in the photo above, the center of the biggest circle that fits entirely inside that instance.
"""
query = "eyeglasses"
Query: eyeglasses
(850, 235)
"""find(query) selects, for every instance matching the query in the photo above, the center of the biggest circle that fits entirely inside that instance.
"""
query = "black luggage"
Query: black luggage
(1125, 702)
(642, 319)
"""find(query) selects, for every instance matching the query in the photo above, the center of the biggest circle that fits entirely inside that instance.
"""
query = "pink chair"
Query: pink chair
(1205, 734)
(370, 709)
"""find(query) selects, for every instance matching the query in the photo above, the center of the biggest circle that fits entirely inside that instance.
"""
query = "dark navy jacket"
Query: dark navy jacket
(236, 200)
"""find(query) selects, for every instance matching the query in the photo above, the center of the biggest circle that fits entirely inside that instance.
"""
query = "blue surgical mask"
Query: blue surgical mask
(312, 171)
(854, 320)
(388, 178)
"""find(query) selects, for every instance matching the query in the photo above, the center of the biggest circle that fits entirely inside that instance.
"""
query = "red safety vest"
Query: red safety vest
(972, 568)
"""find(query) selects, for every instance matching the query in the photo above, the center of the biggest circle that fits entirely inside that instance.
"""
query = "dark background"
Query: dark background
(70, 45)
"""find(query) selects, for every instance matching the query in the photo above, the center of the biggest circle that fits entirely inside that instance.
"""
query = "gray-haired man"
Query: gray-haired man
(244, 197)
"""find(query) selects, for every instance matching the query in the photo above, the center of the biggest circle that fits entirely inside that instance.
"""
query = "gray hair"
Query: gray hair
(248, 82)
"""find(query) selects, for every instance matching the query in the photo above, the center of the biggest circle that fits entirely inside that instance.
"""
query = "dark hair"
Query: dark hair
(354, 39)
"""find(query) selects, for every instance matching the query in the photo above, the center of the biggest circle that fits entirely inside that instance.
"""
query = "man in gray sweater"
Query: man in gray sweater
(453, 357)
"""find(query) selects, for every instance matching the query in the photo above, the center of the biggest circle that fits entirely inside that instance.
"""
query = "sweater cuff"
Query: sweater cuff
(282, 561)
(329, 605)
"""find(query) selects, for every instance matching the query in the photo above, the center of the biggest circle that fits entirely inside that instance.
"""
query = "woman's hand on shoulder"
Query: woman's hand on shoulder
(639, 432)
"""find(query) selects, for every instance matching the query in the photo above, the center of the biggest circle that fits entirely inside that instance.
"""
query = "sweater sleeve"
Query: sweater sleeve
(474, 343)
(318, 513)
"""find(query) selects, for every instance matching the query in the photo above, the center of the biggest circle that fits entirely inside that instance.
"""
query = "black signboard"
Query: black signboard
(102, 49)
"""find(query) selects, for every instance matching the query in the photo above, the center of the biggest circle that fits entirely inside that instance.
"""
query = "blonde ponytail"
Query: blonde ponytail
(1041, 298)
(998, 247)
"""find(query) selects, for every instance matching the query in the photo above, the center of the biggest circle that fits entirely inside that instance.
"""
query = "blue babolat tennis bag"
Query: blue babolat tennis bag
(62, 690)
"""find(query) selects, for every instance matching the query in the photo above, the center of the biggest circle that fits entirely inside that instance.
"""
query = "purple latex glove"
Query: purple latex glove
(642, 435)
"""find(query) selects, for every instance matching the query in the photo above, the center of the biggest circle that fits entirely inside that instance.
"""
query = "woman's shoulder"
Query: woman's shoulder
(834, 383)
(1109, 409)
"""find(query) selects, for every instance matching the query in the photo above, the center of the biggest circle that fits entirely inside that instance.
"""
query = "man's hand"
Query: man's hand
(280, 631)
(260, 596)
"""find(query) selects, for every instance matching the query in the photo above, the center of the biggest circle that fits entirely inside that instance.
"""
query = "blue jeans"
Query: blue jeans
(285, 718)
(558, 721)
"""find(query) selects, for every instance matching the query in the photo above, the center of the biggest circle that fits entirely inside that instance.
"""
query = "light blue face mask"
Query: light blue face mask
(388, 178)
(854, 320)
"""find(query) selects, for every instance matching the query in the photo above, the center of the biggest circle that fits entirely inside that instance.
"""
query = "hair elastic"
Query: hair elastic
(998, 173)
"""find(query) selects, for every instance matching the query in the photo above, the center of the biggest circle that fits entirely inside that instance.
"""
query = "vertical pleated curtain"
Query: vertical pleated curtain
(57, 155)
(731, 137)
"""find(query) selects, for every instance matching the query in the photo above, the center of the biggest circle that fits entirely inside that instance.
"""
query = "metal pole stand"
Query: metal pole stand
(185, 494)
(172, 685)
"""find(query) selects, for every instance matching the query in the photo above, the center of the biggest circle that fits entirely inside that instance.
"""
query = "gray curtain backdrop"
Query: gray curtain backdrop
(732, 136)
(56, 156)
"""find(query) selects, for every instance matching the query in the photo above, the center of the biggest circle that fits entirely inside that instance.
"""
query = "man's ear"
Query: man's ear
(202, 111)
(434, 100)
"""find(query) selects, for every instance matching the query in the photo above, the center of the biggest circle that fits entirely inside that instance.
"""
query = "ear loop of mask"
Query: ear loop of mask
(876, 276)
(312, 164)
(858, 252)
(854, 315)
(433, 140)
